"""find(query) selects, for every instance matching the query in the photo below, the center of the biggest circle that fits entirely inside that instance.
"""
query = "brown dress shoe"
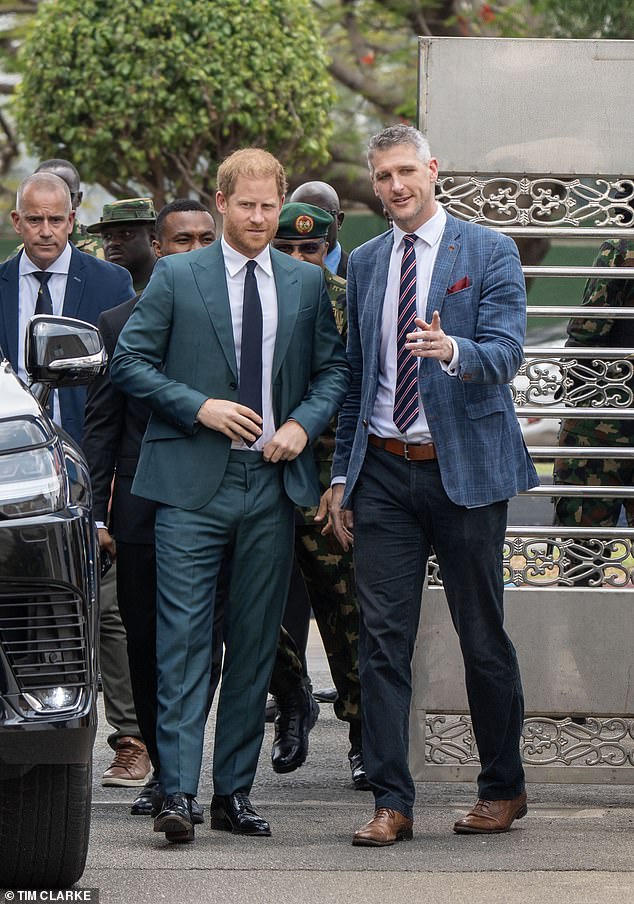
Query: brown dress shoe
(489, 817)
(131, 766)
(385, 827)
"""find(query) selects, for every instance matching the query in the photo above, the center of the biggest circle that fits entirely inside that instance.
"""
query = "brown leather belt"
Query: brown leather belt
(408, 451)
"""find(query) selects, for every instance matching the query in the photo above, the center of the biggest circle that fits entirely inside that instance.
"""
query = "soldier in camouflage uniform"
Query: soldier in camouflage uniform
(577, 433)
(326, 569)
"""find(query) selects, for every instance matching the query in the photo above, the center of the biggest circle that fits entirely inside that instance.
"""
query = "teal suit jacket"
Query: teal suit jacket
(177, 350)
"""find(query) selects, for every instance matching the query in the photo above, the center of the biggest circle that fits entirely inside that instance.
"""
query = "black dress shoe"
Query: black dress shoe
(296, 716)
(357, 768)
(143, 803)
(158, 799)
(326, 694)
(235, 813)
(175, 819)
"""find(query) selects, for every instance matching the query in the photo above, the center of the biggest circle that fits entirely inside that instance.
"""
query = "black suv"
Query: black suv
(49, 562)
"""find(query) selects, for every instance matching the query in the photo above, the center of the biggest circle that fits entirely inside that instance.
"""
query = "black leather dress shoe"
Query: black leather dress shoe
(158, 799)
(326, 694)
(175, 819)
(297, 714)
(357, 768)
(142, 805)
(235, 813)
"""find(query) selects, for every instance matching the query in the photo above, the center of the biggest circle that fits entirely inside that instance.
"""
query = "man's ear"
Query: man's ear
(157, 248)
(340, 219)
(221, 203)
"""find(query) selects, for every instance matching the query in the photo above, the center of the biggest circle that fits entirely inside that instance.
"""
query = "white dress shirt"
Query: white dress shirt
(426, 248)
(28, 288)
(236, 270)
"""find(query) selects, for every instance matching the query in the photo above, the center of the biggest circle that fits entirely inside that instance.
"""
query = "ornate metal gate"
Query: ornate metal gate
(534, 138)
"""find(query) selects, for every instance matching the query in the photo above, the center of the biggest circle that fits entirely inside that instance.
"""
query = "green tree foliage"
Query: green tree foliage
(151, 96)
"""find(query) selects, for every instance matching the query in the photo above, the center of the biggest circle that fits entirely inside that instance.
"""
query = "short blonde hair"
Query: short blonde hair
(254, 163)
(48, 182)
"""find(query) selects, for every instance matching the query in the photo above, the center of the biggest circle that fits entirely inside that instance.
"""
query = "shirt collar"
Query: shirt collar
(60, 265)
(235, 261)
(333, 258)
(430, 231)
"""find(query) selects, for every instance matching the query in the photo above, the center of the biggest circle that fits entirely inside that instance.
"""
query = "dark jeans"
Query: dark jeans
(400, 511)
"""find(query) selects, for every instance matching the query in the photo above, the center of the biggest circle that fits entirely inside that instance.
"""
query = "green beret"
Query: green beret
(303, 221)
(132, 210)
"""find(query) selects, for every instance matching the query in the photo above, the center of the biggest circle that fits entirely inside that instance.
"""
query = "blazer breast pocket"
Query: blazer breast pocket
(305, 313)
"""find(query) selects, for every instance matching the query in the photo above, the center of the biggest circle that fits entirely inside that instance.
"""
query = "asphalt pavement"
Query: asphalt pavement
(575, 845)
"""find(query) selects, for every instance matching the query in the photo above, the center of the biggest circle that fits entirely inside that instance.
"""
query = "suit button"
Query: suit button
(364, 422)
(233, 385)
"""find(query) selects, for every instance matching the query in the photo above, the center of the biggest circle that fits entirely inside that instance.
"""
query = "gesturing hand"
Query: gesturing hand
(430, 341)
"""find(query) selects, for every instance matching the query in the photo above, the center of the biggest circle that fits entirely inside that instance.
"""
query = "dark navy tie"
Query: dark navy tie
(251, 345)
(406, 391)
(44, 302)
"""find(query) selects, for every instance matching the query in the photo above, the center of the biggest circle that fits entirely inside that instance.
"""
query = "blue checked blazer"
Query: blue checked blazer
(480, 448)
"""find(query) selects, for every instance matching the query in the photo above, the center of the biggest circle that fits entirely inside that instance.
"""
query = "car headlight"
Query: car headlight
(31, 470)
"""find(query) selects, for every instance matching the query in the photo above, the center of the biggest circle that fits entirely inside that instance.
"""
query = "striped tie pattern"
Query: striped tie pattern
(406, 392)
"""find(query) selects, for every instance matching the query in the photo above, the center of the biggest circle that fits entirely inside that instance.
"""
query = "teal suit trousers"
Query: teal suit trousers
(252, 516)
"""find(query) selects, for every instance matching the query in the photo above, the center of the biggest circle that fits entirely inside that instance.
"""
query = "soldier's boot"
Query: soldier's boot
(296, 716)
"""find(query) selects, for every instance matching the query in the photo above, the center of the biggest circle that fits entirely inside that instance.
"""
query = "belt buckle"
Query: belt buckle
(406, 452)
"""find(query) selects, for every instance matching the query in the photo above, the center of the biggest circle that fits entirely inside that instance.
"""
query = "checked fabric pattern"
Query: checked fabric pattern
(406, 392)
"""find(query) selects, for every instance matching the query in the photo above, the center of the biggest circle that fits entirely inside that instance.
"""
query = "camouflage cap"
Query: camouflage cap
(132, 210)
(303, 221)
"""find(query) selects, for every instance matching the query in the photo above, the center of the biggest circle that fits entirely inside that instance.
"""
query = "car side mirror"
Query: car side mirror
(62, 351)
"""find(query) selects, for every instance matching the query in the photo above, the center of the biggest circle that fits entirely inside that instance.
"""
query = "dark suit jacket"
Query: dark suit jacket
(342, 269)
(113, 432)
(177, 350)
(93, 286)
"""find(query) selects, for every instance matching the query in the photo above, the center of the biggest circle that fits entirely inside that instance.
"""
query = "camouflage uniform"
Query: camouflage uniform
(90, 244)
(578, 512)
(328, 571)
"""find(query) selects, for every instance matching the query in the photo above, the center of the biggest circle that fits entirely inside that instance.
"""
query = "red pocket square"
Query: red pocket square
(463, 283)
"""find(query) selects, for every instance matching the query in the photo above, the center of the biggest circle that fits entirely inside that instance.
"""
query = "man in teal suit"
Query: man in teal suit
(235, 350)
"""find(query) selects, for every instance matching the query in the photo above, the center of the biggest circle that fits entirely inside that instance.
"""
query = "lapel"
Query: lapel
(370, 318)
(443, 268)
(74, 284)
(288, 286)
(209, 274)
(9, 307)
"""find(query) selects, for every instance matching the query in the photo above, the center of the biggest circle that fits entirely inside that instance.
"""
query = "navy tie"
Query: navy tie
(44, 302)
(251, 345)
(406, 391)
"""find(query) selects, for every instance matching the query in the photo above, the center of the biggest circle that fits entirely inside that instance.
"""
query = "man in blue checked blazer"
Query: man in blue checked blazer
(428, 452)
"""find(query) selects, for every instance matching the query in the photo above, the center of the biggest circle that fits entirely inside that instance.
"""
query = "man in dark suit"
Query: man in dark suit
(428, 452)
(323, 195)
(51, 276)
(113, 431)
(235, 349)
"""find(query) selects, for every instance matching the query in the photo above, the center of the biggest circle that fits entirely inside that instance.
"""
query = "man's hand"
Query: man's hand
(107, 542)
(322, 511)
(340, 520)
(234, 420)
(430, 341)
(286, 443)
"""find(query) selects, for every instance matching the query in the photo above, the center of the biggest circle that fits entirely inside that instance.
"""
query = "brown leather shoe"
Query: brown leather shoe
(385, 827)
(489, 817)
(131, 766)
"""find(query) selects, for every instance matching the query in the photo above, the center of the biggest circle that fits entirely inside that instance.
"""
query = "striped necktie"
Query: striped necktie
(406, 391)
